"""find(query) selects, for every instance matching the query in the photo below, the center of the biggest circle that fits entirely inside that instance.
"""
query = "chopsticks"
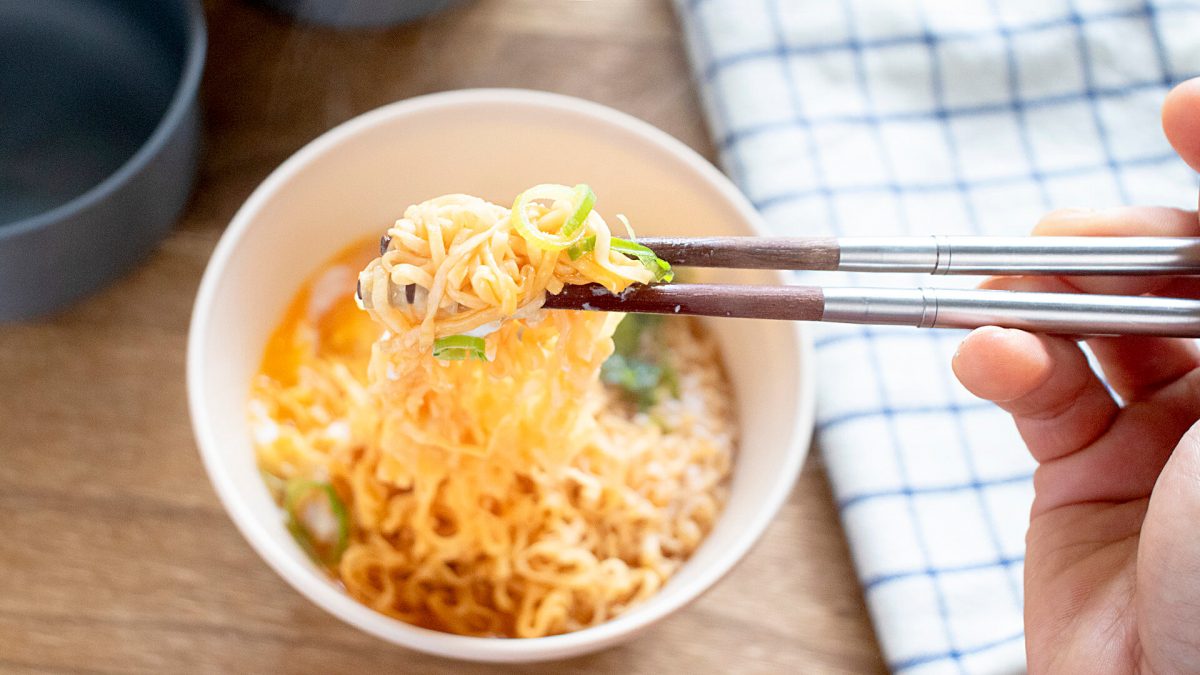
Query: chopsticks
(939, 254)
(1062, 313)
(1059, 313)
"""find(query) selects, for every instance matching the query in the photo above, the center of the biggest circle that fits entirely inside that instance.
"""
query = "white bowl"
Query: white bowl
(354, 181)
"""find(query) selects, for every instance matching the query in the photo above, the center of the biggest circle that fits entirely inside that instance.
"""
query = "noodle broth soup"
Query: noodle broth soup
(590, 487)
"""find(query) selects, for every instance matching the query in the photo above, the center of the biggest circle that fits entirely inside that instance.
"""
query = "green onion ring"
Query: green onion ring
(295, 493)
(549, 191)
(460, 348)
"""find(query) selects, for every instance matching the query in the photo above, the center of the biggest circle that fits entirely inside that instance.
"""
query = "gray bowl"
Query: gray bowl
(99, 140)
(359, 13)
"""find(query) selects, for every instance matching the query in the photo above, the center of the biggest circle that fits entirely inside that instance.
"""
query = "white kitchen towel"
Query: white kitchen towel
(876, 117)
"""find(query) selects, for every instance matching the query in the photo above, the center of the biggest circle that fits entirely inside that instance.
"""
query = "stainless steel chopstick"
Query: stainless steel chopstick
(939, 254)
(1060, 313)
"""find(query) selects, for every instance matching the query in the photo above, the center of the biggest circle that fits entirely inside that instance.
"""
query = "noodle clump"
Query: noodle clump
(511, 492)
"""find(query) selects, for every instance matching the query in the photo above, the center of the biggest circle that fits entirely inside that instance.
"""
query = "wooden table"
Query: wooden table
(114, 552)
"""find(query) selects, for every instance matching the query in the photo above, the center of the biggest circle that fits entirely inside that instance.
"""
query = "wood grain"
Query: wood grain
(748, 253)
(115, 555)
(783, 303)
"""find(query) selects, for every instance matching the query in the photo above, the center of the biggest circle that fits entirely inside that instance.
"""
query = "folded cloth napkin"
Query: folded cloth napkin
(877, 117)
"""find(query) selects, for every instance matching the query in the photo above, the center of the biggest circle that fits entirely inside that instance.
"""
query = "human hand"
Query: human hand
(1112, 567)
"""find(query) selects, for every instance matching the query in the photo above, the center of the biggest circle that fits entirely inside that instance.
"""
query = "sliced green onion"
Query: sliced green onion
(297, 495)
(637, 367)
(584, 199)
(587, 245)
(661, 268)
(670, 380)
(550, 192)
(637, 378)
(460, 348)
(627, 338)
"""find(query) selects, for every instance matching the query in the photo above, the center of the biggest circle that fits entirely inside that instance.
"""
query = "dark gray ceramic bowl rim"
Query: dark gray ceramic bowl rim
(181, 101)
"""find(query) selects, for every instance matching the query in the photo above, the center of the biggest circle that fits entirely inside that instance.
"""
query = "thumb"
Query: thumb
(1168, 568)
(1181, 121)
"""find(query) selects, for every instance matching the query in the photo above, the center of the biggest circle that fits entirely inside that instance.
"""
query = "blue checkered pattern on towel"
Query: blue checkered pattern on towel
(857, 117)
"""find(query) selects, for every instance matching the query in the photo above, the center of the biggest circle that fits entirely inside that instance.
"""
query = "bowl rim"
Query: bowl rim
(393, 630)
(186, 89)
